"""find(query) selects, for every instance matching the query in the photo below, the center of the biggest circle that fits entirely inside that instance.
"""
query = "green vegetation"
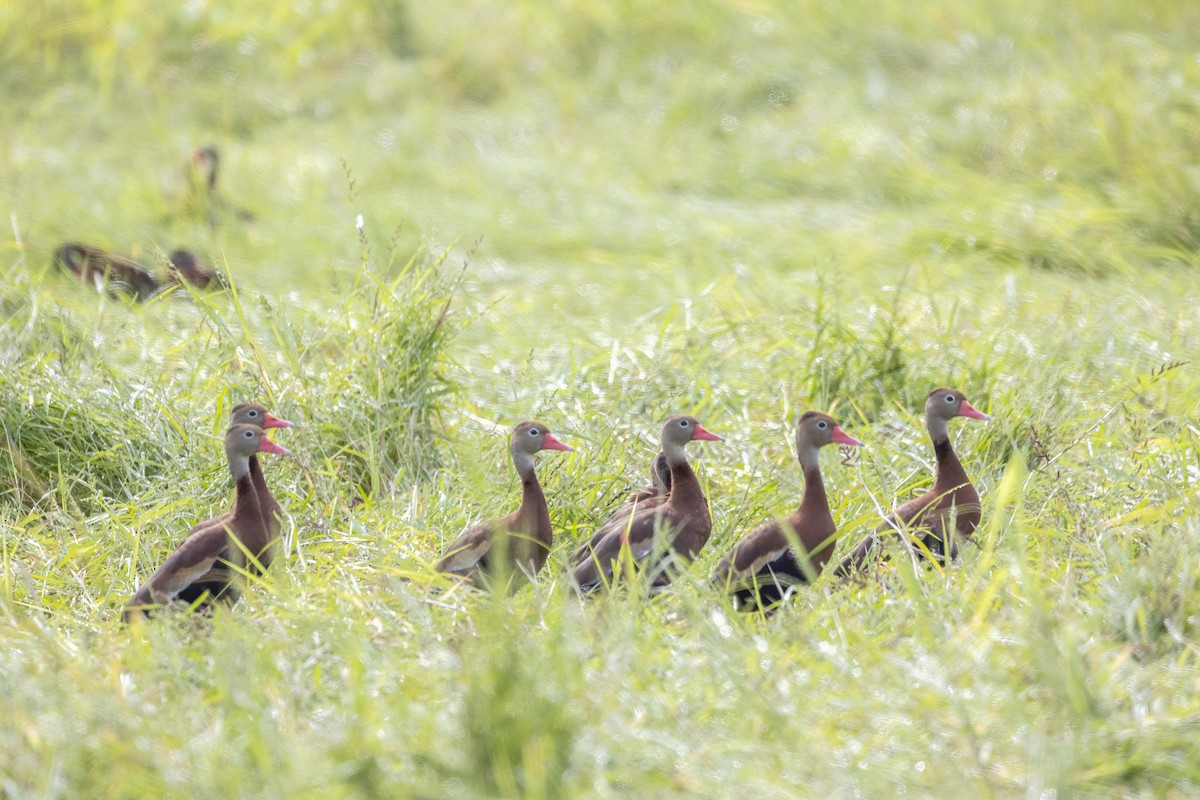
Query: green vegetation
(597, 214)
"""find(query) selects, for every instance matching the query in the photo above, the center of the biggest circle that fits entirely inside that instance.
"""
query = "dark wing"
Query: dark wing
(904, 516)
(585, 550)
(637, 533)
(898, 520)
(469, 551)
(596, 564)
(618, 520)
(641, 496)
(751, 555)
(133, 277)
(638, 501)
(192, 561)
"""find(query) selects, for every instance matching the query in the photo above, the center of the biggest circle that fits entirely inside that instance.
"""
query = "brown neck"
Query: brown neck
(533, 513)
(685, 486)
(246, 506)
(256, 475)
(814, 500)
(950, 472)
(813, 522)
(266, 500)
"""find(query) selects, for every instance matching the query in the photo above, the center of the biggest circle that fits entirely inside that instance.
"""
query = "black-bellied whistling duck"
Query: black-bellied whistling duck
(523, 538)
(652, 496)
(204, 166)
(762, 567)
(203, 200)
(254, 414)
(209, 541)
(683, 519)
(951, 498)
(184, 267)
(99, 268)
(220, 582)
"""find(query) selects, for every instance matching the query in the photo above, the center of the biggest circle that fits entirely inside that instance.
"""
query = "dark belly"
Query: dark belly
(773, 583)
(218, 588)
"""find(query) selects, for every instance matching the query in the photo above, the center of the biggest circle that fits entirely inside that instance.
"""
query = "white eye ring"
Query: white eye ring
(252, 413)
(533, 431)
(683, 423)
(949, 398)
(822, 425)
(249, 434)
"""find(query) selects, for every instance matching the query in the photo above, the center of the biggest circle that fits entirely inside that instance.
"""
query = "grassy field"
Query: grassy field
(597, 214)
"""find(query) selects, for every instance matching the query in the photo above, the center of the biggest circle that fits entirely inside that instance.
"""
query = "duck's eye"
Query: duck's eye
(949, 398)
(683, 423)
(252, 413)
(534, 431)
(249, 434)
(822, 424)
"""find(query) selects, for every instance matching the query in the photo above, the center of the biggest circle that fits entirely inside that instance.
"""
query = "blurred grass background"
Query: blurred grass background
(598, 214)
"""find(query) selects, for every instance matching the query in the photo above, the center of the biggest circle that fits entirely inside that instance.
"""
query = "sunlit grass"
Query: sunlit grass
(597, 215)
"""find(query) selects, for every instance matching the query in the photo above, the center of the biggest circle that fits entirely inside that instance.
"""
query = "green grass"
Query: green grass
(596, 215)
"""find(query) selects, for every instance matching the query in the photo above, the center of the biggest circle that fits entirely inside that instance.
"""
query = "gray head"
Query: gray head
(255, 414)
(205, 163)
(243, 441)
(945, 404)
(814, 430)
(677, 431)
(528, 438)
